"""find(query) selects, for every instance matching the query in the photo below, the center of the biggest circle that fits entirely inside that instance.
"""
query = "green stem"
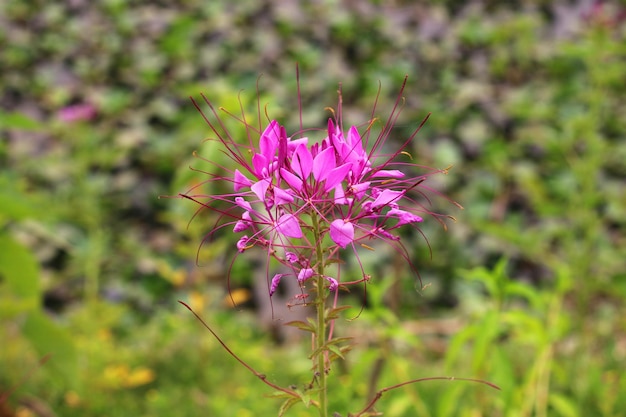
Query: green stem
(320, 305)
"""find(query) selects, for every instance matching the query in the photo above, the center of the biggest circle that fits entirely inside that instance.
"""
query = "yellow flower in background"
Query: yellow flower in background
(237, 297)
(120, 376)
(24, 412)
(104, 335)
(72, 399)
(139, 376)
(197, 301)
(176, 277)
(113, 374)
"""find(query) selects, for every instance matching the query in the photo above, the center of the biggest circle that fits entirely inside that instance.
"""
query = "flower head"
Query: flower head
(291, 194)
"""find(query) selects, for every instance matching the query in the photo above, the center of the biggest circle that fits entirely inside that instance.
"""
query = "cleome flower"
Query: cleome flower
(291, 195)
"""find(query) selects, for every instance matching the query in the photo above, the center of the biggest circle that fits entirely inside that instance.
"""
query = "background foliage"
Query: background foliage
(527, 288)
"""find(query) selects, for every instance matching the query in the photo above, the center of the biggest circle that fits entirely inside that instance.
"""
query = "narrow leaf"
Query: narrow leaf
(339, 340)
(333, 313)
(334, 349)
(307, 327)
(287, 405)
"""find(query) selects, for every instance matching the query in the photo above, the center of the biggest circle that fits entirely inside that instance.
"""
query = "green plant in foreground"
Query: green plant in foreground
(305, 204)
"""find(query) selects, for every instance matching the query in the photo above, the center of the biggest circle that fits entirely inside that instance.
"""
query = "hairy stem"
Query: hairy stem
(320, 305)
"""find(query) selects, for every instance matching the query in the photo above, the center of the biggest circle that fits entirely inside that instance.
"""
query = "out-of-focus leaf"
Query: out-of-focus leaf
(48, 338)
(14, 205)
(19, 269)
(18, 121)
(287, 405)
(563, 405)
(450, 400)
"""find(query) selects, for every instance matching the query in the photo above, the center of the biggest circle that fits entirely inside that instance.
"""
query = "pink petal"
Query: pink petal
(336, 137)
(244, 223)
(331, 128)
(289, 226)
(241, 181)
(282, 196)
(340, 195)
(336, 176)
(360, 189)
(260, 164)
(291, 257)
(404, 217)
(269, 140)
(302, 162)
(275, 282)
(294, 182)
(361, 167)
(342, 232)
(259, 188)
(323, 163)
(354, 141)
(385, 234)
(282, 147)
(242, 243)
(243, 203)
(352, 149)
(305, 274)
(386, 197)
(333, 284)
(292, 144)
(388, 173)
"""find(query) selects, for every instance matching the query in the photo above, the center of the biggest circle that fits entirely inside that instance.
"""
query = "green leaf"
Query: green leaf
(336, 350)
(280, 394)
(14, 205)
(331, 345)
(338, 340)
(525, 291)
(19, 270)
(563, 405)
(484, 338)
(312, 322)
(48, 338)
(18, 121)
(287, 405)
(307, 327)
(458, 344)
(450, 400)
(333, 313)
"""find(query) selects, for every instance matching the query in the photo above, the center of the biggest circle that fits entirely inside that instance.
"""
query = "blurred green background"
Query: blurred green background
(527, 289)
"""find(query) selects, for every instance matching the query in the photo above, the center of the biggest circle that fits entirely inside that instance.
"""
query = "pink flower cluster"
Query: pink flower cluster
(291, 195)
(333, 180)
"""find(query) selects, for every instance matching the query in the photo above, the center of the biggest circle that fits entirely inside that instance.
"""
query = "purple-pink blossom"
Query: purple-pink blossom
(342, 232)
(305, 274)
(274, 283)
(292, 193)
(335, 179)
(333, 284)
(77, 112)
